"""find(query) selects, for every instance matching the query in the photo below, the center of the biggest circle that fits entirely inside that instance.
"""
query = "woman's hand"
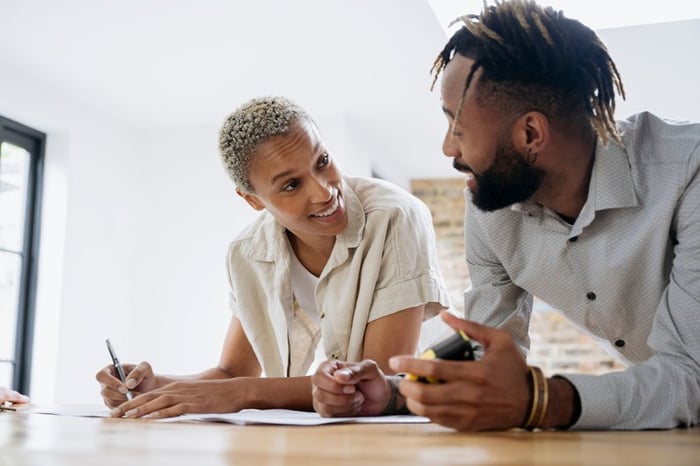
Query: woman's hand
(350, 389)
(139, 379)
(182, 397)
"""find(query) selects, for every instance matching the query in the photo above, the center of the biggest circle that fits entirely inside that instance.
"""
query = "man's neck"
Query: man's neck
(565, 186)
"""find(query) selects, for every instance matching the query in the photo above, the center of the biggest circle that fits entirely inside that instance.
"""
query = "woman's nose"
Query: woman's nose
(321, 190)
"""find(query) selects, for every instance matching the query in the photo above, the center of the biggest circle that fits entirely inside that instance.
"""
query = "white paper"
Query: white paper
(70, 410)
(290, 417)
(285, 417)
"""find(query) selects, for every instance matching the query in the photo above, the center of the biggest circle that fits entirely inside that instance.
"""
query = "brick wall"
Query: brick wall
(556, 345)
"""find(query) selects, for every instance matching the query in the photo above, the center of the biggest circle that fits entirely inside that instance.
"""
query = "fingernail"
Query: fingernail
(348, 389)
(115, 413)
(131, 383)
(131, 412)
(122, 389)
(393, 362)
(344, 372)
(358, 398)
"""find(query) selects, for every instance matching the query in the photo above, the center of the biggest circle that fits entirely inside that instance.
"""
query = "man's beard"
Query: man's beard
(508, 180)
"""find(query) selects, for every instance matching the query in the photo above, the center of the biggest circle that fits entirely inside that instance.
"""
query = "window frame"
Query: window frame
(34, 142)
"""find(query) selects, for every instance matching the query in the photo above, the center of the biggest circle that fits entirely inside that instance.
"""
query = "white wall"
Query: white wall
(136, 224)
(80, 268)
(659, 66)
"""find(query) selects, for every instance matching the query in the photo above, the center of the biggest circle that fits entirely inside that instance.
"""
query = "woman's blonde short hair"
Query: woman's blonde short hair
(250, 126)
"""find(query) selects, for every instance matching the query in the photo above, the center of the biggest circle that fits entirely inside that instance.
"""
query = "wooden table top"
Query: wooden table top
(40, 439)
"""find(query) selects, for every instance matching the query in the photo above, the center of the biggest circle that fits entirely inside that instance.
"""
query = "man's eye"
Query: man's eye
(323, 160)
(454, 132)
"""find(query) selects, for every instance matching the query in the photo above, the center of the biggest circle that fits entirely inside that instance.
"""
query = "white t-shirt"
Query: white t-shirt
(305, 332)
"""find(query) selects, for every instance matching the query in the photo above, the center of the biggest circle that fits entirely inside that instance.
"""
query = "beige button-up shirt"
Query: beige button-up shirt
(627, 272)
(385, 261)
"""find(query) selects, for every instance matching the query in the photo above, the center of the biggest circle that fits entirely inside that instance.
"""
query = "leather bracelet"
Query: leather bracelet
(396, 403)
(539, 398)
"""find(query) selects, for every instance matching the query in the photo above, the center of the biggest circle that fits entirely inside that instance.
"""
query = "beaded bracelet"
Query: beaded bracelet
(539, 398)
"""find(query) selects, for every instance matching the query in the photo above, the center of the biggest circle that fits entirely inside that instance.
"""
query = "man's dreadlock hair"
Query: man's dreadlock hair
(534, 58)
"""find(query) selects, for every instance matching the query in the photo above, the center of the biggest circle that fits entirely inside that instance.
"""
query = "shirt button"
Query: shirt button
(619, 343)
(573, 239)
(591, 295)
(322, 315)
(334, 356)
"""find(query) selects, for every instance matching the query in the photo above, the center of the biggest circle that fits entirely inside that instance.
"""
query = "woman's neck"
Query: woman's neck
(313, 255)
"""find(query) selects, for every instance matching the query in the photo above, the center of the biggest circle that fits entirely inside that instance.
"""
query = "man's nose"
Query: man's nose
(449, 145)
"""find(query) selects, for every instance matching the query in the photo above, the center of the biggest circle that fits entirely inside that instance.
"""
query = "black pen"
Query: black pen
(118, 367)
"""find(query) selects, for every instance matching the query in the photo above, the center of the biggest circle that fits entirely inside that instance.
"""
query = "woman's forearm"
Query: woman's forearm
(277, 392)
(214, 373)
(252, 392)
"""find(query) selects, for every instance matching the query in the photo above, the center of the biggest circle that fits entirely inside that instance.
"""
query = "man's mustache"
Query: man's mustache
(460, 167)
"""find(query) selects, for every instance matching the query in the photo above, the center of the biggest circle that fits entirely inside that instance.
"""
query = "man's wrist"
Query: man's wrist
(564, 407)
(396, 403)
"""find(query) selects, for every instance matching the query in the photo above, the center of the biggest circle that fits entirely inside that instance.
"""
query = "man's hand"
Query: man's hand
(350, 389)
(488, 394)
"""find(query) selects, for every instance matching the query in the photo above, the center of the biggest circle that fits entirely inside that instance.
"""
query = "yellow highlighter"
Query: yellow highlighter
(458, 347)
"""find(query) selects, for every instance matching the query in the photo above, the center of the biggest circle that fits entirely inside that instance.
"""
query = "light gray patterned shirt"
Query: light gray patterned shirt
(627, 272)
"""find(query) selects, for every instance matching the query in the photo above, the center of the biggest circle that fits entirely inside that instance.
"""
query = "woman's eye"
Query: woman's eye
(323, 160)
(291, 186)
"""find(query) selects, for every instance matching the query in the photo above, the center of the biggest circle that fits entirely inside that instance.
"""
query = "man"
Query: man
(597, 218)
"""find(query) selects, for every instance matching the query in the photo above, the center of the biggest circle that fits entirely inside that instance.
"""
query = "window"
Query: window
(21, 157)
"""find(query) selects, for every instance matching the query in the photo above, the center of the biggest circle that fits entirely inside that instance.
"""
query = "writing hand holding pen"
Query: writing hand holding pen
(137, 379)
(118, 367)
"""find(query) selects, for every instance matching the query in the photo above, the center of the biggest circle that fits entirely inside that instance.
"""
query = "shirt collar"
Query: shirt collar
(612, 173)
(352, 235)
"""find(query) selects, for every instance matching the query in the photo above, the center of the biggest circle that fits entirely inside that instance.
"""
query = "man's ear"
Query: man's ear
(251, 199)
(531, 132)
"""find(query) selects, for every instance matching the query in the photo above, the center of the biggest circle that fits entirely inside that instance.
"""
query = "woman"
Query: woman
(342, 267)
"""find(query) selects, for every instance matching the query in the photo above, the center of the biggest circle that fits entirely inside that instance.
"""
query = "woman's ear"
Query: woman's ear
(531, 132)
(251, 199)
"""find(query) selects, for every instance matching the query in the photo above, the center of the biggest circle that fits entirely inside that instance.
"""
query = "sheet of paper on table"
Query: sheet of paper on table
(285, 417)
(69, 410)
(290, 417)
